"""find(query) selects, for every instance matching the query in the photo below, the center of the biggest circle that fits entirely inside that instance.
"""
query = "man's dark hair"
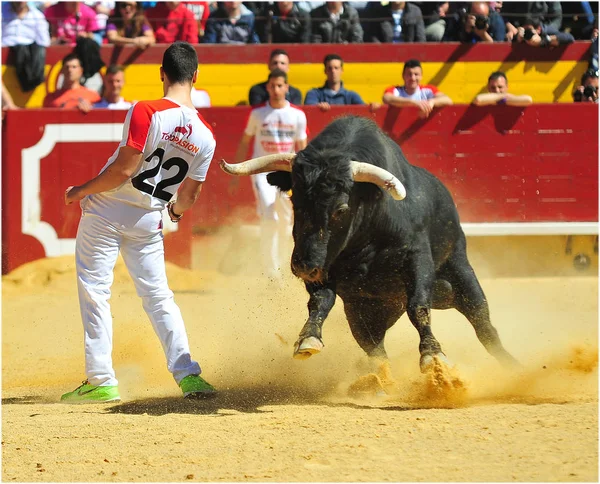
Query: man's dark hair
(180, 61)
(497, 75)
(535, 22)
(276, 52)
(277, 73)
(113, 69)
(589, 74)
(330, 57)
(70, 57)
(409, 64)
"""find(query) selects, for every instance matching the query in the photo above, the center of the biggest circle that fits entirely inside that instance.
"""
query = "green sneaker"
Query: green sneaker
(194, 386)
(86, 393)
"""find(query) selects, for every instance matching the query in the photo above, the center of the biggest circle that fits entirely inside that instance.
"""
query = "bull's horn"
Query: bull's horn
(365, 172)
(262, 164)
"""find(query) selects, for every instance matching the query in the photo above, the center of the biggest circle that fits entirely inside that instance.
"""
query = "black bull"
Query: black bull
(383, 255)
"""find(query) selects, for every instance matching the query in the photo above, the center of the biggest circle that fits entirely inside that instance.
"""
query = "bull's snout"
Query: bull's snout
(307, 272)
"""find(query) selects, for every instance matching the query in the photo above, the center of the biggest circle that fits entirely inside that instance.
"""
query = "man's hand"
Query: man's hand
(374, 106)
(84, 106)
(72, 194)
(511, 31)
(324, 106)
(425, 108)
(520, 34)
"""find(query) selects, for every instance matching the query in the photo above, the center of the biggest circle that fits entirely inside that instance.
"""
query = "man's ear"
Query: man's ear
(281, 180)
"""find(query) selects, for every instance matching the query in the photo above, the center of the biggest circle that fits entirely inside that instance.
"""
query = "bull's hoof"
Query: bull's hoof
(307, 347)
(427, 361)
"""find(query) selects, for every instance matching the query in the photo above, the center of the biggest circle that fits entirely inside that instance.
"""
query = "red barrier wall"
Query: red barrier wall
(501, 164)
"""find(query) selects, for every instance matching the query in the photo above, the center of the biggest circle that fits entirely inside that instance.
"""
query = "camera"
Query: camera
(589, 91)
(528, 34)
(482, 22)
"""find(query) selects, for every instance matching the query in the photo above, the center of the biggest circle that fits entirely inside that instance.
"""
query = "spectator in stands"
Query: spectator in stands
(114, 81)
(258, 94)
(537, 35)
(425, 98)
(23, 25)
(283, 23)
(547, 13)
(594, 48)
(72, 95)
(335, 23)
(477, 24)
(497, 88)
(396, 22)
(333, 91)
(511, 30)
(70, 20)
(201, 11)
(587, 91)
(103, 9)
(171, 21)
(129, 26)
(200, 98)
(231, 23)
(434, 14)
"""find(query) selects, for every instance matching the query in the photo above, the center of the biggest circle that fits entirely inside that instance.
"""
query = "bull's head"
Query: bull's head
(323, 209)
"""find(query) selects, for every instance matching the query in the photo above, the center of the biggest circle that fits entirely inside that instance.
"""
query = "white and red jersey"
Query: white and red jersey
(422, 93)
(176, 143)
(276, 130)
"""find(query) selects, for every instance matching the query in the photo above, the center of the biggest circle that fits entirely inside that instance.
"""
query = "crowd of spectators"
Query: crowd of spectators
(30, 27)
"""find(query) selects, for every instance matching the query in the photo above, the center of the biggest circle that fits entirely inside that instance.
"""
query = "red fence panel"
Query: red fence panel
(502, 164)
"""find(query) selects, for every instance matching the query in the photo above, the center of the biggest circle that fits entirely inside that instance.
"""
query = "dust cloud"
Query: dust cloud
(242, 328)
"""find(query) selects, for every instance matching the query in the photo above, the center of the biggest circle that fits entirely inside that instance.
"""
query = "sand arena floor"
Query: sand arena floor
(279, 419)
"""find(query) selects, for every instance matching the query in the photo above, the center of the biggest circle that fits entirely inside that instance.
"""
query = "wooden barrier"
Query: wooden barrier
(532, 169)
(228, 71)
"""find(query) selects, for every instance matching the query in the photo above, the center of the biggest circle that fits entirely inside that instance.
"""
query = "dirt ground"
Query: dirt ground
(280, 419)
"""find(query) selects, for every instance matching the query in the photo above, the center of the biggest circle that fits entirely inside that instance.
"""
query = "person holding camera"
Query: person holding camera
(534, 33)
(497, 93)
(476, 24)
(587, 91)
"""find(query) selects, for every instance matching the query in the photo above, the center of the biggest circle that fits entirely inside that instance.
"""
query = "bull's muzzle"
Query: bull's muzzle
(307, 273)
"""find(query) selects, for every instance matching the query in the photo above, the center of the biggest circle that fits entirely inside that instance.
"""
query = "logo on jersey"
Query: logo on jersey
(182, 129)
(177, 137)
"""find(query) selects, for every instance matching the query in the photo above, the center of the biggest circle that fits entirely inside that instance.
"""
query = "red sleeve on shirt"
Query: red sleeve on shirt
(139, 125)
(434, 89)
(390, 90)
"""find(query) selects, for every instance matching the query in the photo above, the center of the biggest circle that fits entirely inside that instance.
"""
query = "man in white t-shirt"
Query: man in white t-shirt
(276, 127)
(113, 83)
(425, 98)
(165, 152)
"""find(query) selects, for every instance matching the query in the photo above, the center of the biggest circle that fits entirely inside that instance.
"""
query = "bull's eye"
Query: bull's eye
(341, 210)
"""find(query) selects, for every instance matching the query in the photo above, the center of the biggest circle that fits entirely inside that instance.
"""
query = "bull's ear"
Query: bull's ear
(281, 180)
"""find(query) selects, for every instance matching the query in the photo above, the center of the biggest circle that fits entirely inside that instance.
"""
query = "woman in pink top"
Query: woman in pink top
(69, 20)
(129, 26)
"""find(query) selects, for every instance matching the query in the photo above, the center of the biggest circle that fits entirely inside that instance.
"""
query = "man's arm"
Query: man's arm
(301, 144)
(242, 151)
(399, 102)
(441, 100)
(187, 195)
(490, 98)
(114, 176)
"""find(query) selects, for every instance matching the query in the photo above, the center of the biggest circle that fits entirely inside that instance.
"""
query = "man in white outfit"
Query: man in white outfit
(276, 127)
(166, 149)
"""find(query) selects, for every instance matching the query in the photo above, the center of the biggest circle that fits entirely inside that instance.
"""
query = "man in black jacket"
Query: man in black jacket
(279, 59)
(402, 22)
(335, 23)
(283, 23)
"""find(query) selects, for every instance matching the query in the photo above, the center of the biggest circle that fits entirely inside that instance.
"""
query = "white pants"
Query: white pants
(137, 235)
(275, 211)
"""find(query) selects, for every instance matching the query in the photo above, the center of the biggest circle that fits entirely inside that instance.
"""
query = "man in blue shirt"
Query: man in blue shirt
(333, 91)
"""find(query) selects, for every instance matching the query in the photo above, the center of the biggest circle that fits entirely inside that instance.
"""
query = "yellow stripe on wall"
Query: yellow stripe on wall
(228, 84)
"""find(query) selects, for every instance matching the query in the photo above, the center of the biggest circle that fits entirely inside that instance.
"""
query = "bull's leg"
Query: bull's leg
(420, 284)
(369, 319)
(322, 299)
(470, 300)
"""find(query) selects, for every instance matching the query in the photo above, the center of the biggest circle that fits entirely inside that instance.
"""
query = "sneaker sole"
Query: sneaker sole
(199, 395)
(80, 402)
